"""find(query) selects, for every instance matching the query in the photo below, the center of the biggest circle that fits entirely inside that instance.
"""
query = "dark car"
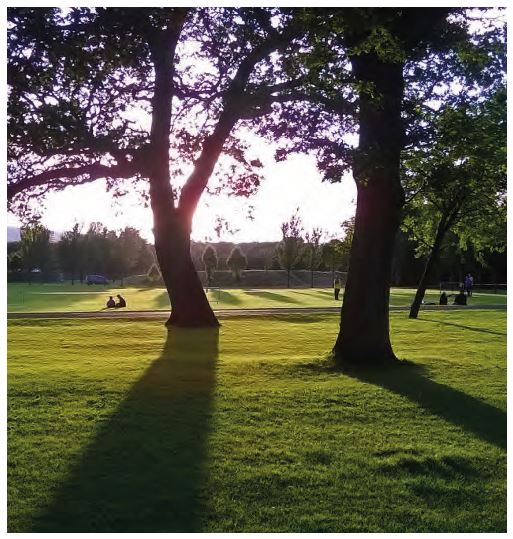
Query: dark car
(96, 279)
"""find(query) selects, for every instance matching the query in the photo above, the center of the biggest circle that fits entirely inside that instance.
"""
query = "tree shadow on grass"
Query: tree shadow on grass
(410, 381)
(471, 328)
(273, 296)
(228, 297)
(145, 470)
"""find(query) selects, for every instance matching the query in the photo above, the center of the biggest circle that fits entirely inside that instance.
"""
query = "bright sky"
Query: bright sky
(292, 184)
(288, 185)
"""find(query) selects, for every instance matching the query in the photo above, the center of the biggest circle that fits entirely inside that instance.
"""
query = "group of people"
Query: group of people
(112, 304)
(460, 299)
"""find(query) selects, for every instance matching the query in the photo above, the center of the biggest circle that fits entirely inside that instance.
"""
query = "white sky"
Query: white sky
(288, 185)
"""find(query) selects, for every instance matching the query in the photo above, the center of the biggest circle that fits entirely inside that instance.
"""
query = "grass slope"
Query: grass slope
(116, 426)
(58, 297)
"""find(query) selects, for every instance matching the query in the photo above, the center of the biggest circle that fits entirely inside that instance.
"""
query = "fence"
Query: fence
(494, 288)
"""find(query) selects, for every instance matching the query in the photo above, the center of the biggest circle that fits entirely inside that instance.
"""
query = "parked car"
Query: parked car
(96, 279)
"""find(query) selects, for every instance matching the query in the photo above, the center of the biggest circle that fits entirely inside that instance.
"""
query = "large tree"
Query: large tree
(459, 182)
(373, 68)
(83, 82)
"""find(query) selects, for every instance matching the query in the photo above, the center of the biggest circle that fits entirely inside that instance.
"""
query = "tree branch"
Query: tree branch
(234, 104)
(84, 174)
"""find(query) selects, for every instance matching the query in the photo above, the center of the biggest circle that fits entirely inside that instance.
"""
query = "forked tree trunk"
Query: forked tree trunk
(171, 226)
(364, 327)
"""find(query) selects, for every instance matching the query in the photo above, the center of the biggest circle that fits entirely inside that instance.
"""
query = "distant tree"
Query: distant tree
(70, 251)
(209, 259)
(14, 261)
(290, 249)
(237, 263)
(128, 247)
(313, 251)
(333, 255)
(35, 250)
(98, 250)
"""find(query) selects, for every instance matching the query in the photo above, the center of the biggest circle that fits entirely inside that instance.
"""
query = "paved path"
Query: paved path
(226, 313)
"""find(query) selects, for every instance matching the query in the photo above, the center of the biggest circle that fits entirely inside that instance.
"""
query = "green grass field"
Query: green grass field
(58, 297)
(118, 426)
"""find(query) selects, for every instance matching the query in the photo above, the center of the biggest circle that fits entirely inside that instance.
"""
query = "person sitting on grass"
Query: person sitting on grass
(111, 303)
(121, 301)
(443, 299)
(460, 299)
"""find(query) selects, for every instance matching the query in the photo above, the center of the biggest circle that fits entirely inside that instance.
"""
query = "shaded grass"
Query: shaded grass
(64, 297)
(258, 432)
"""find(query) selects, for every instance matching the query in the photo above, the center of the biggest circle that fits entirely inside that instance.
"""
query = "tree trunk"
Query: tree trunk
(172, 226)
(312, 278)
(364, 327)
(288, 278)
(189, 305)
(433, 255)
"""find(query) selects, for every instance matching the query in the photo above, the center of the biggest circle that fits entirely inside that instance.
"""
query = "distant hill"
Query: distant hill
(13, 234)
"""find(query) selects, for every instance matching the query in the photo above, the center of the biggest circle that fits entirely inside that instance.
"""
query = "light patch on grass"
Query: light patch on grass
(64, 298)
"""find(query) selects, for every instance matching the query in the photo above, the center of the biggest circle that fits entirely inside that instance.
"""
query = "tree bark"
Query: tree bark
(433, 255)
(189, 304)
(364, 327)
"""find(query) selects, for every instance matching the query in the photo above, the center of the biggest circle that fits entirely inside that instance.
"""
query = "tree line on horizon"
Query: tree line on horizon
(98, 251)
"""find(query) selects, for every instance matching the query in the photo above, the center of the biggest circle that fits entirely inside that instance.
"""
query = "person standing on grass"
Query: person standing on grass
(469, 283)
(337, 285)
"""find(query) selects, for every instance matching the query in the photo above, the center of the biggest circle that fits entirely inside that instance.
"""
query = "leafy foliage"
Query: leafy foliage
(458, 183)
(290, 249)
(34, 249)
(70, 251)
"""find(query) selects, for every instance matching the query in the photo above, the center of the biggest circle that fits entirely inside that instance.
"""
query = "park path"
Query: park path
(227, 313)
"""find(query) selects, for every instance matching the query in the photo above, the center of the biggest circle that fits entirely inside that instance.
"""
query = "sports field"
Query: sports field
(115, 425)
(58, 297)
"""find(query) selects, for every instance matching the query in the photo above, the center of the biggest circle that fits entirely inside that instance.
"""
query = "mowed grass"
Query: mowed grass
(117, 426)
(65, 297)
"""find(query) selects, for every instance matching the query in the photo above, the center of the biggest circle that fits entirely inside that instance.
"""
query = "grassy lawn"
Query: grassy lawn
(58, 297)
(116, 426)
